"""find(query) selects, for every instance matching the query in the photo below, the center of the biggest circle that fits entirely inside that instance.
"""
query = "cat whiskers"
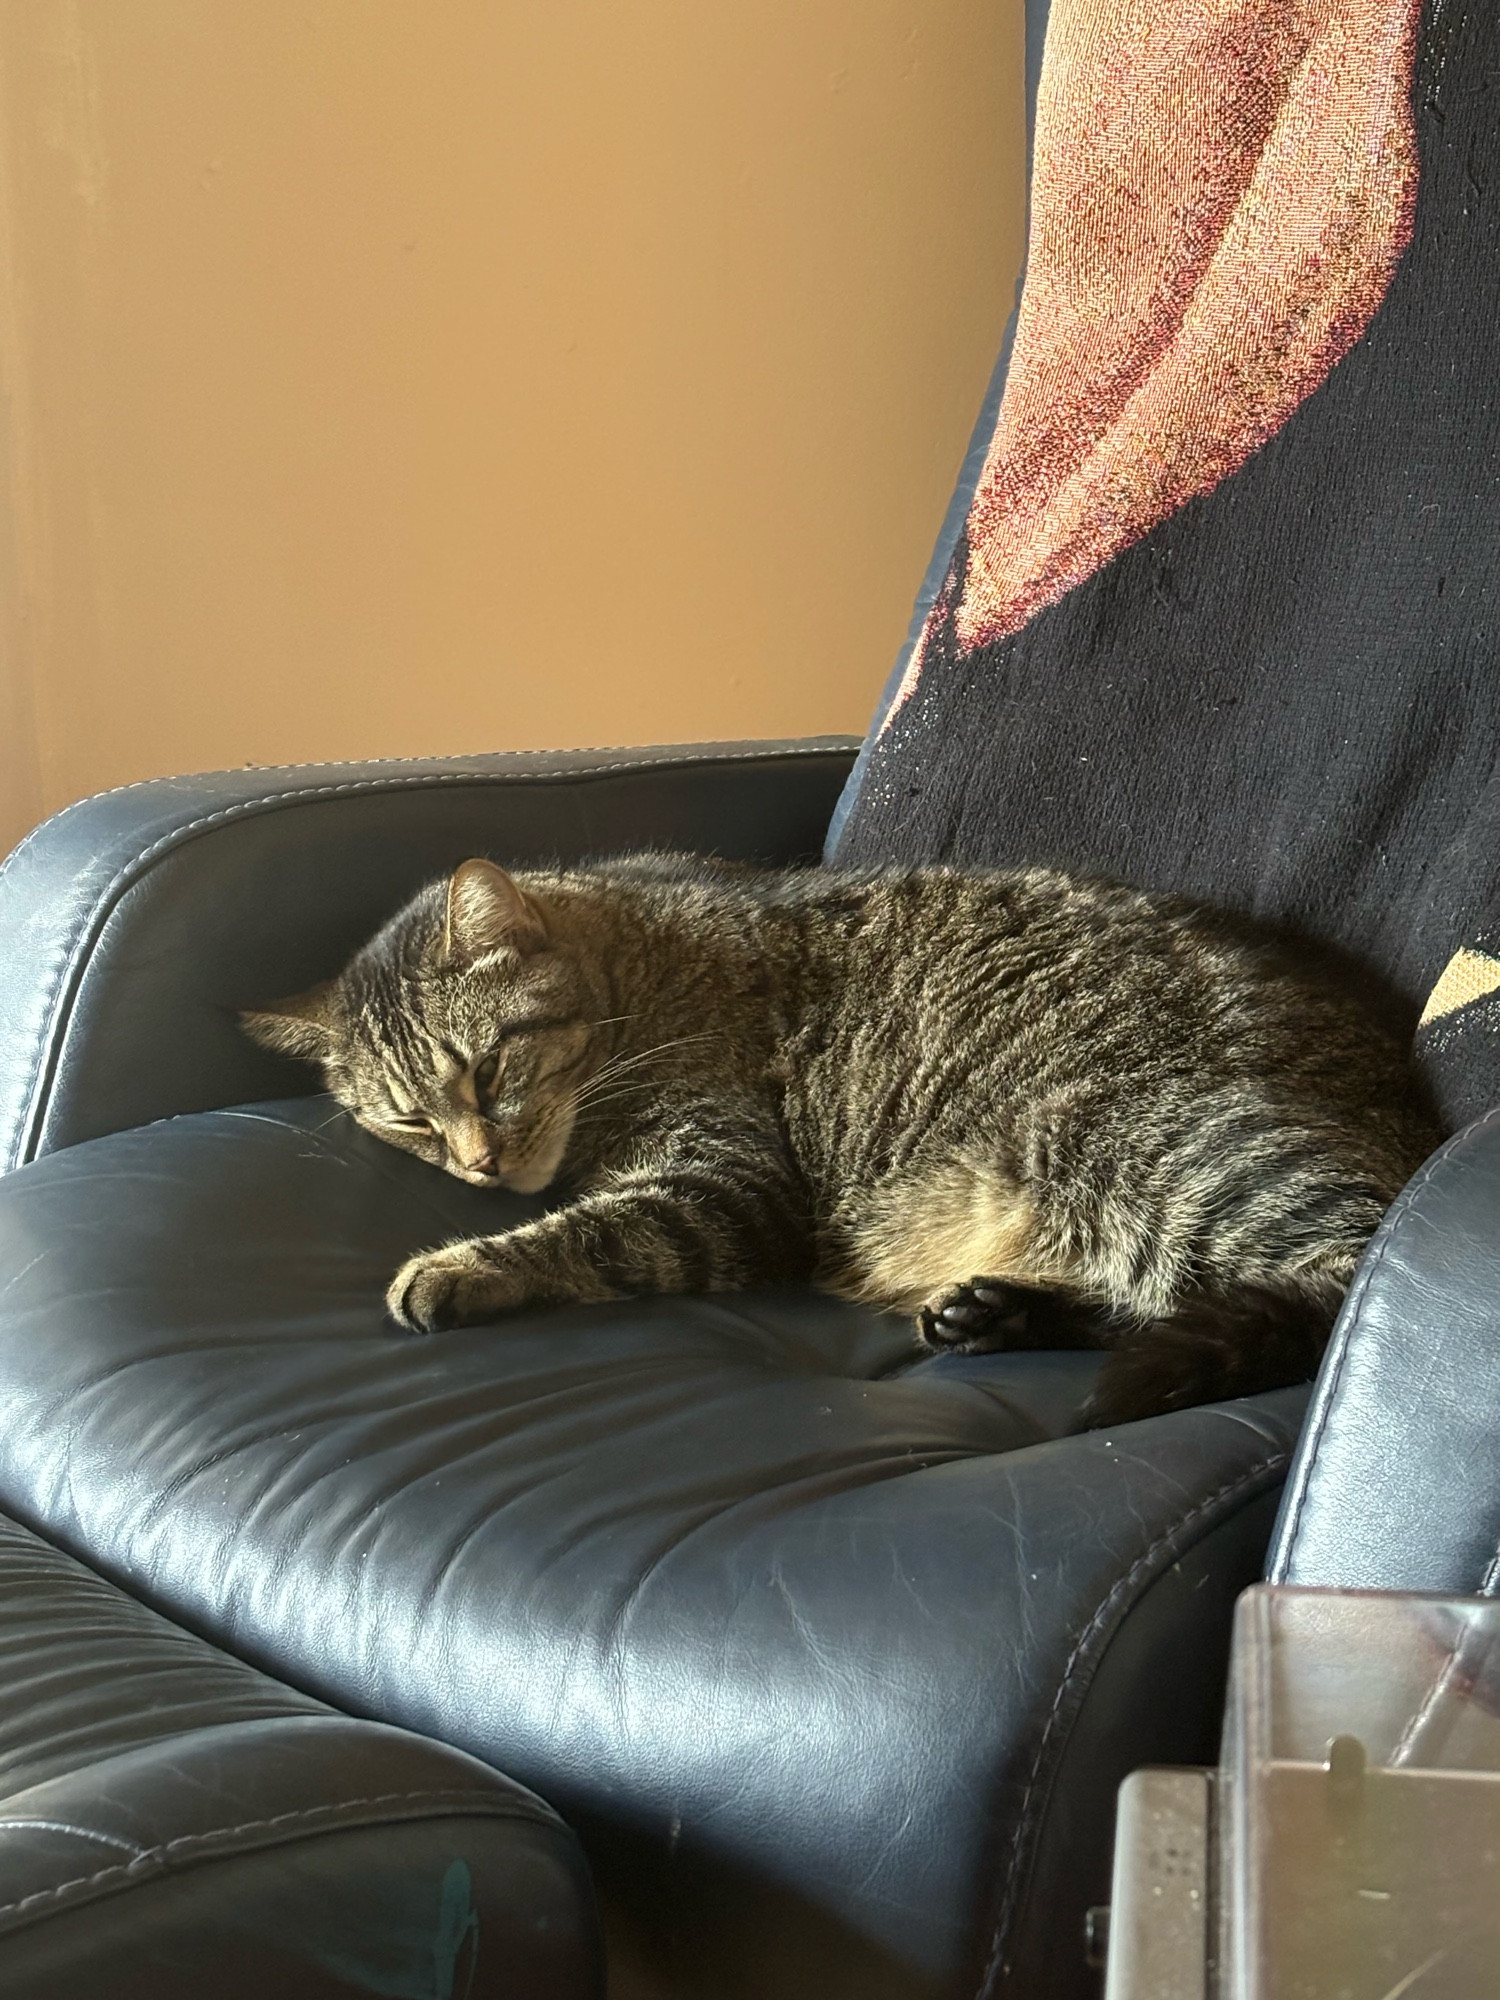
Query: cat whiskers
(595, 1104)
(618, 1065)
(608, 1081)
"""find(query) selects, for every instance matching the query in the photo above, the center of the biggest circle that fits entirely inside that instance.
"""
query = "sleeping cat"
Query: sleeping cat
(1027, 1109)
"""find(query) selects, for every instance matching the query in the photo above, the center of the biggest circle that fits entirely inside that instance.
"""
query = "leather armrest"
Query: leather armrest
(133, 925)
(173, 1823)
(1396, 1482)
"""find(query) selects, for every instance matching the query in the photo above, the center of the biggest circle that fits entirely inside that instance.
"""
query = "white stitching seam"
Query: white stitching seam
(1021, 1839)
(85, 932)
(484, 1803)
(828, 746)
(690, 753)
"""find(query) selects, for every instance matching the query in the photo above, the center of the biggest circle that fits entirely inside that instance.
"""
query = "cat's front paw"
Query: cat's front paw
(453, 1286)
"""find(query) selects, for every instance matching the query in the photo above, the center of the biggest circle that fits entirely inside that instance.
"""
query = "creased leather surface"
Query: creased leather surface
(158, 1800)
(797, 1633)
(1397, 1481)
(132, 925)
(87, 1674)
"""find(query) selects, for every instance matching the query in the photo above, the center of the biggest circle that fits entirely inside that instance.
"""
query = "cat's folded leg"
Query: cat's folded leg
(1208, 1350)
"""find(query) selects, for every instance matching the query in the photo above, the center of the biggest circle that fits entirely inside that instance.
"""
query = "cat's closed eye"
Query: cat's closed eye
(409, 1124)
(484, 1071)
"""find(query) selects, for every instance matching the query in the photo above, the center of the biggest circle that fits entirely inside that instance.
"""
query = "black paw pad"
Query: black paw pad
(980, 1314)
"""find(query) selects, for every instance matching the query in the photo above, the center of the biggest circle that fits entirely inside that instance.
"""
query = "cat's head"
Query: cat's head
(461, 1032)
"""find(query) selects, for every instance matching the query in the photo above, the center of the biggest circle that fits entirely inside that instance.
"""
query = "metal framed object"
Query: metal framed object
(1348, 1846)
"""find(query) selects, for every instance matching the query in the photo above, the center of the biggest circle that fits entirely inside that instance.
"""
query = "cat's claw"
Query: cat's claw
(977, 1315)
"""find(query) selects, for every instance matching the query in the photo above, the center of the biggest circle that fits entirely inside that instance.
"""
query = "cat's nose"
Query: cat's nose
(485, 1164)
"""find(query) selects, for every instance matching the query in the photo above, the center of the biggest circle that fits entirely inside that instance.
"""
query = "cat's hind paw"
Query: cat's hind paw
(985, 1314)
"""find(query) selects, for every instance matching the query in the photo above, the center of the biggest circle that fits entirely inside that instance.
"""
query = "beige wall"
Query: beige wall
(404, 376)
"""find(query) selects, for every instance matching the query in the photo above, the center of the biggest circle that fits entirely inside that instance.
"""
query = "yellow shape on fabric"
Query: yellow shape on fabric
(1467, 976)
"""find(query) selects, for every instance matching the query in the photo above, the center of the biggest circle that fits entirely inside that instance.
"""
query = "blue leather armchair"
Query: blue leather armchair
(831, 1655)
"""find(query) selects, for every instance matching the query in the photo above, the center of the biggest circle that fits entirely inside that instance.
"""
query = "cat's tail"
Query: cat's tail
(1210, 1348)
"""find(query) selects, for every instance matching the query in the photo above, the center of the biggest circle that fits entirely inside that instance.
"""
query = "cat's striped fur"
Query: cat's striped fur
(894, 1082)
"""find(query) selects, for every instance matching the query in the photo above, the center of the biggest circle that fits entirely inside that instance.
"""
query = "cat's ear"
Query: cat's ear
(487, 911)
(305, 1025)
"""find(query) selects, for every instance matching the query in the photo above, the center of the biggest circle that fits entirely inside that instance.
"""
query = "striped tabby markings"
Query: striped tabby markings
(924, 1236)
(1467, 976)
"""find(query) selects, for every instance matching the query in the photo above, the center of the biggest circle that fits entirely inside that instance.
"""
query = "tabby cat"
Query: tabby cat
(1028, 1109)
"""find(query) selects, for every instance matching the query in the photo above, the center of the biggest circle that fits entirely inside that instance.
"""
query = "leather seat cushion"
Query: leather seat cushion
(783, 1618)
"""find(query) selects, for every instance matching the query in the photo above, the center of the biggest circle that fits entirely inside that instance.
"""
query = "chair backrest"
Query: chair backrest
(1218, 612)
